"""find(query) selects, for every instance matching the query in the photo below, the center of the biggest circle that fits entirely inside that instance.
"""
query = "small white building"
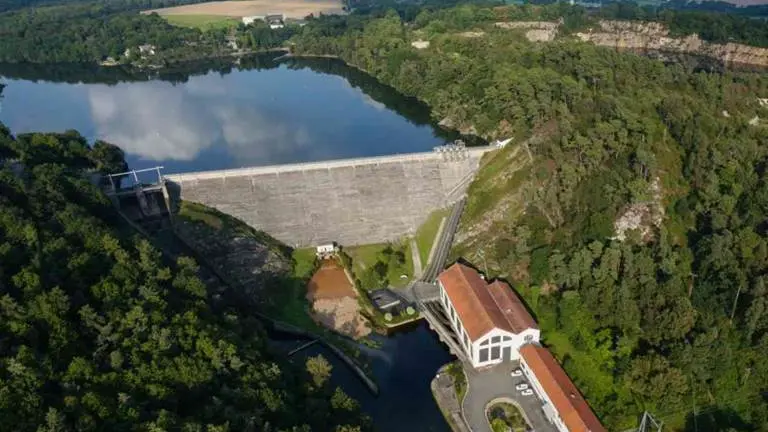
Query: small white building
(275, 21)
(251, 19)
(147, 49)
(326, 250)
(490, 319)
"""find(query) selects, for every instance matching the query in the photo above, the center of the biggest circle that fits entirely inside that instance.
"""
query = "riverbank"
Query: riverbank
(449, 397)
(237, 55)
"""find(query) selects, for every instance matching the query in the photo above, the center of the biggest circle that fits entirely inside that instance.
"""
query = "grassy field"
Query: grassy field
(366, 256)
(241, 8)
(305, 263)
(202, 22)
(427, 232)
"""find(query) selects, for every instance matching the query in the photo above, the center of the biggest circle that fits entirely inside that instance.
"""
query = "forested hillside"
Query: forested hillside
(669, 316)
(90, 32)
(98, 331)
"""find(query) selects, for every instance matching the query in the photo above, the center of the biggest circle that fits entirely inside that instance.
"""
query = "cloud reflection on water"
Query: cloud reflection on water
(157, 121)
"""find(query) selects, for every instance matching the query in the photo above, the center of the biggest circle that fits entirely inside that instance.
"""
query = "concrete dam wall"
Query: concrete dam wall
(354, 201)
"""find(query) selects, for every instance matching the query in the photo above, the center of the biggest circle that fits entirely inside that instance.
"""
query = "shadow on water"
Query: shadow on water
(403, 367)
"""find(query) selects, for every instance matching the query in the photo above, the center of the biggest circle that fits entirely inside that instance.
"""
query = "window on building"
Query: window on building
(495, 353)
(507, 338)
(466, 340)
(528, 338)
(483, 355)
(485, 342)
(496, 339)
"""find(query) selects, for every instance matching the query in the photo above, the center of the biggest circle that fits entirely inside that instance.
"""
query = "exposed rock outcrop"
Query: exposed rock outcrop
(644, 217)
(655, 36)
(537, 31)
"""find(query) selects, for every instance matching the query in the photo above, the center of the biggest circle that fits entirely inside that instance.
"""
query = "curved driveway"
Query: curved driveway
(493, 383)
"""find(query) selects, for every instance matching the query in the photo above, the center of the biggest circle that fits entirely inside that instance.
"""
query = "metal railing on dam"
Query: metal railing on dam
(349, 201)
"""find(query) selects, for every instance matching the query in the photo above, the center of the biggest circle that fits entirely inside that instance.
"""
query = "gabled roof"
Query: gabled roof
(511, 307)
(565, 397)
(483, 307)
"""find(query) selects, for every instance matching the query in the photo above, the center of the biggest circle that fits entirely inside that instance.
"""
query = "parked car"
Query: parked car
(526, 392)
(522, 386)
(517, 373)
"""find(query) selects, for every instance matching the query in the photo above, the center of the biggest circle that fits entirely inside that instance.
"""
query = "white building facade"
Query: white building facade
(489, 319)
(549, 409)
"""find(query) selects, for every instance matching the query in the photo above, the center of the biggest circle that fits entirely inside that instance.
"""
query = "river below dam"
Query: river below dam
(220, 115)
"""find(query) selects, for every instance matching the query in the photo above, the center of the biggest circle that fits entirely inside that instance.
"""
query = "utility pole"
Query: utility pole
(649, 424)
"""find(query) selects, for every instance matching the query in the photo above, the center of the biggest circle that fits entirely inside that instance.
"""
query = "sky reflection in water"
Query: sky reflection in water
(214, 121)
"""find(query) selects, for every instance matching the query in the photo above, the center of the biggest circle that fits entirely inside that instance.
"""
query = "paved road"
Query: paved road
(493, 383)
(437, 263)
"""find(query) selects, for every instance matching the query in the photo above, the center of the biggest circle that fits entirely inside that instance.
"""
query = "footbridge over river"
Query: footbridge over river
(352, 201)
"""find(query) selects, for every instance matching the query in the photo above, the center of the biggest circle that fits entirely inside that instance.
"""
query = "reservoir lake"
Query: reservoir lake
(211, 116)
(220, 115)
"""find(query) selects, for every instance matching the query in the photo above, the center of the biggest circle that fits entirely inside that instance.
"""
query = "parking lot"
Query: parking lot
(496, 383)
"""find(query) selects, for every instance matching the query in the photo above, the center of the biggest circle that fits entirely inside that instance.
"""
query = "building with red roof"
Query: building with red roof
(494, 326)
(563, 404)
(490, 319)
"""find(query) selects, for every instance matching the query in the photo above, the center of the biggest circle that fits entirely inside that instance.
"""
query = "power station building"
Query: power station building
(494, 326)
(490, 319)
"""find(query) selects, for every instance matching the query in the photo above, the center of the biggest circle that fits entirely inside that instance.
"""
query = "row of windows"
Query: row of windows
(497, 339)
(496, 353)
(454, 317)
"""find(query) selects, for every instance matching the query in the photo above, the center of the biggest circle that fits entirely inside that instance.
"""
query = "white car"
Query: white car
(517, 373)
(522, 386)
(526, 392)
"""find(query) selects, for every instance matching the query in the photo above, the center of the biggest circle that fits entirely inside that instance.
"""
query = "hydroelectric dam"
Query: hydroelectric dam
(349, 201)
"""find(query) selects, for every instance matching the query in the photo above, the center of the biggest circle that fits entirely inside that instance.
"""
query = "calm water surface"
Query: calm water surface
(259, 113)
(214, 116)
(403, 368)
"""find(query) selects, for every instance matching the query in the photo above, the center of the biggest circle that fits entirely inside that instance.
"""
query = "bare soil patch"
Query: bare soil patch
(330, 282)
(290, 8)
(334, 301)
(342, 315)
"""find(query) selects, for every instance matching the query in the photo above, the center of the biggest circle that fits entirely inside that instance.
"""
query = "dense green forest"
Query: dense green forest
(90, 32)
(99, 331)
(673, 318)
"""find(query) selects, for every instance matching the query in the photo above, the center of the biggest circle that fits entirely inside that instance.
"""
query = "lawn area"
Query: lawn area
(305, 263)
(199, 213)
(427, 232)
(202, 22)
(379, 265)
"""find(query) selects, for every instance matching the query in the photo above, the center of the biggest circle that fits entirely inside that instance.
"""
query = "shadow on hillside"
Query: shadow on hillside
(717, 420)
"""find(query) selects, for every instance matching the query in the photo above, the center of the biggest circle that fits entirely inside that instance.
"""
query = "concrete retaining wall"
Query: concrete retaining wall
(354, 201)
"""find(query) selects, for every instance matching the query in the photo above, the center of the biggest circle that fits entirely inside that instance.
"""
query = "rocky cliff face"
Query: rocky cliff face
(655, 36)
(536, 31)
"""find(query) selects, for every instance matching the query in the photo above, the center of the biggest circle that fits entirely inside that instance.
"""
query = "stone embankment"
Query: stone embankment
(655, 36)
